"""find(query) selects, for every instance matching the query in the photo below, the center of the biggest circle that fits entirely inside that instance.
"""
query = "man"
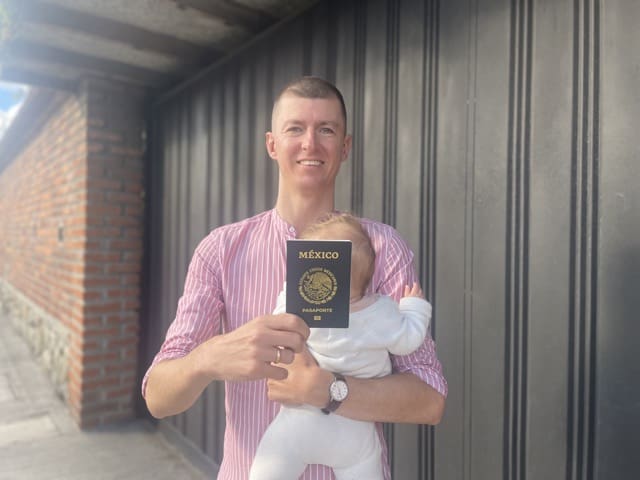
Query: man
(234, 278)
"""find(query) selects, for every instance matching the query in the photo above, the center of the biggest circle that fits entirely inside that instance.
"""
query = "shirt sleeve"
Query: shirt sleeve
(410, 324)
(395, 269)
(199, 309)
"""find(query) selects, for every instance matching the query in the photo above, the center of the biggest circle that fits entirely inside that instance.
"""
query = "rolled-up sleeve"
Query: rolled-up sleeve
(199, 308)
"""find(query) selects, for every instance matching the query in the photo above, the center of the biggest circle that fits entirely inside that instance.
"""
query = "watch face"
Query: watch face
(339, 390)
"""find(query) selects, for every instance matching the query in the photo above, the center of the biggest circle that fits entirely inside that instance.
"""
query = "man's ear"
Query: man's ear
(346, 147)
(270, 144)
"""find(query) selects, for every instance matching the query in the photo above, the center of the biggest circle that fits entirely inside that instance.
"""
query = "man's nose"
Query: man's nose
(309, 140)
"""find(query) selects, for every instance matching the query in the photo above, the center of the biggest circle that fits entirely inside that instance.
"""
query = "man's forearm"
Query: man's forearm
(397, 398)
(173, 386)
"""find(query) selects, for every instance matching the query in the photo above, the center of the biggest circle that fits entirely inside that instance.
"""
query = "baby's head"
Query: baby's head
(347, 227)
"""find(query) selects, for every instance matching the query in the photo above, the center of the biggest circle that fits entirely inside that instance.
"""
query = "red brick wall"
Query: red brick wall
(41, 195)
(71, 228)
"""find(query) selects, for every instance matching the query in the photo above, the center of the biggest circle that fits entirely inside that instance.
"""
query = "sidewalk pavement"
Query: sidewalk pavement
(39, 440)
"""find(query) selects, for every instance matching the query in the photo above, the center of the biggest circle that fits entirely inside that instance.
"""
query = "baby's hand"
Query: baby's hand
(414, 291)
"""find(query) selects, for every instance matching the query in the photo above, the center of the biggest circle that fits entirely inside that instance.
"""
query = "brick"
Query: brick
(123, 268)
(124, 393)
(83, 170)
(104, 209)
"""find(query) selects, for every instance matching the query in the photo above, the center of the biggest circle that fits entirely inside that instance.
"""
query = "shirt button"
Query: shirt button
(292, 229)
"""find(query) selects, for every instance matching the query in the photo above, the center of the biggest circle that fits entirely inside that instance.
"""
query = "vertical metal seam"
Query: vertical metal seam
(269, 190)
(357, 171)
(584, 242)
(179, 419)
(209, 416)
(510, 250)
(188, 164)
(527, 38)
(573, 235)
(517, 240)
(235, 166)
(595, 214)
(470, 134)
(307, 39)
(165, 275)
(469, 229)
(222, 126)
(391, 114)
(433, 163)
(209, 147)
(252, 108)
(428, 150)
(390, 143)
(431, 49)
(188, 167)
(332, 44)
(589, 238)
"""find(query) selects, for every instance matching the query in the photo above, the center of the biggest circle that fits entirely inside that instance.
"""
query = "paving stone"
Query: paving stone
(39, 440)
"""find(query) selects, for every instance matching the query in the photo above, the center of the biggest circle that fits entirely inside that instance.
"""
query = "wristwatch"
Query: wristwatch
(338, 391)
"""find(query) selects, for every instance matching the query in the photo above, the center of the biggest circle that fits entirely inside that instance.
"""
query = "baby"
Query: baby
(304, 435)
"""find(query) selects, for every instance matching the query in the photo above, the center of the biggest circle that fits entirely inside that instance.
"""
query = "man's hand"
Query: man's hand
(255, 350)
(306, 383)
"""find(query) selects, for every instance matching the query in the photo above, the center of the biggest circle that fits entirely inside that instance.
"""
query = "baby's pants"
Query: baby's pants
(300, 436)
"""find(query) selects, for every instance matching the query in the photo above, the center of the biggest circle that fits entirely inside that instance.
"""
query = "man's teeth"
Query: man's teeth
(313, 163)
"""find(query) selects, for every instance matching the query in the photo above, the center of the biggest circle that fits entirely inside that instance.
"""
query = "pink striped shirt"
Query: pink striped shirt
(235, 275)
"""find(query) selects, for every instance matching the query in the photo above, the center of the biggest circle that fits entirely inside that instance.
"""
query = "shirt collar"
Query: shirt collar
(282, 226)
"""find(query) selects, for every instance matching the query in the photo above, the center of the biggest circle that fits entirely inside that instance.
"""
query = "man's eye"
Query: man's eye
(326, 131)
(293, 130)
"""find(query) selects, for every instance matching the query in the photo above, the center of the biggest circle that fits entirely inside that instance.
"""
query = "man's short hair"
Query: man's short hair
(312, 87)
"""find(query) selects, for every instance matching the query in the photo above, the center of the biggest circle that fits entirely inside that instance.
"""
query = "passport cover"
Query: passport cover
(319, 281)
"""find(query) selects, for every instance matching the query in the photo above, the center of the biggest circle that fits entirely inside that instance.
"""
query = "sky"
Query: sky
(11, 97)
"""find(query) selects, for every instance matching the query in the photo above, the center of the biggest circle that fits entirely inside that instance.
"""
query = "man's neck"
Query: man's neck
(301, 211)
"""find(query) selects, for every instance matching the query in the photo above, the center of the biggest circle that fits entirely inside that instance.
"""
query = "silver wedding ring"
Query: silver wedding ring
(277, 355)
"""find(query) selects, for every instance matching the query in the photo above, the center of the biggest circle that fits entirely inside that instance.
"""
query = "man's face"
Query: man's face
(309, 143)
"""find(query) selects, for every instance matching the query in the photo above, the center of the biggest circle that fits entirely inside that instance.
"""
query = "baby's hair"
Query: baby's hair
(343, 226)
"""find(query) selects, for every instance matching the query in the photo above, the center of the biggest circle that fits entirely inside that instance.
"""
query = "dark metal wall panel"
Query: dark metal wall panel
(197, 186)
(495, 91)
(216, 149)
(552, 57)
(349, 68)
(616, 294)
(377, 113)
(498, 136)
(452, 229)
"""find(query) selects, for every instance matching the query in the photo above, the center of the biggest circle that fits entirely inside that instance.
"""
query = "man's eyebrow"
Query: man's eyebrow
(322, 123)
